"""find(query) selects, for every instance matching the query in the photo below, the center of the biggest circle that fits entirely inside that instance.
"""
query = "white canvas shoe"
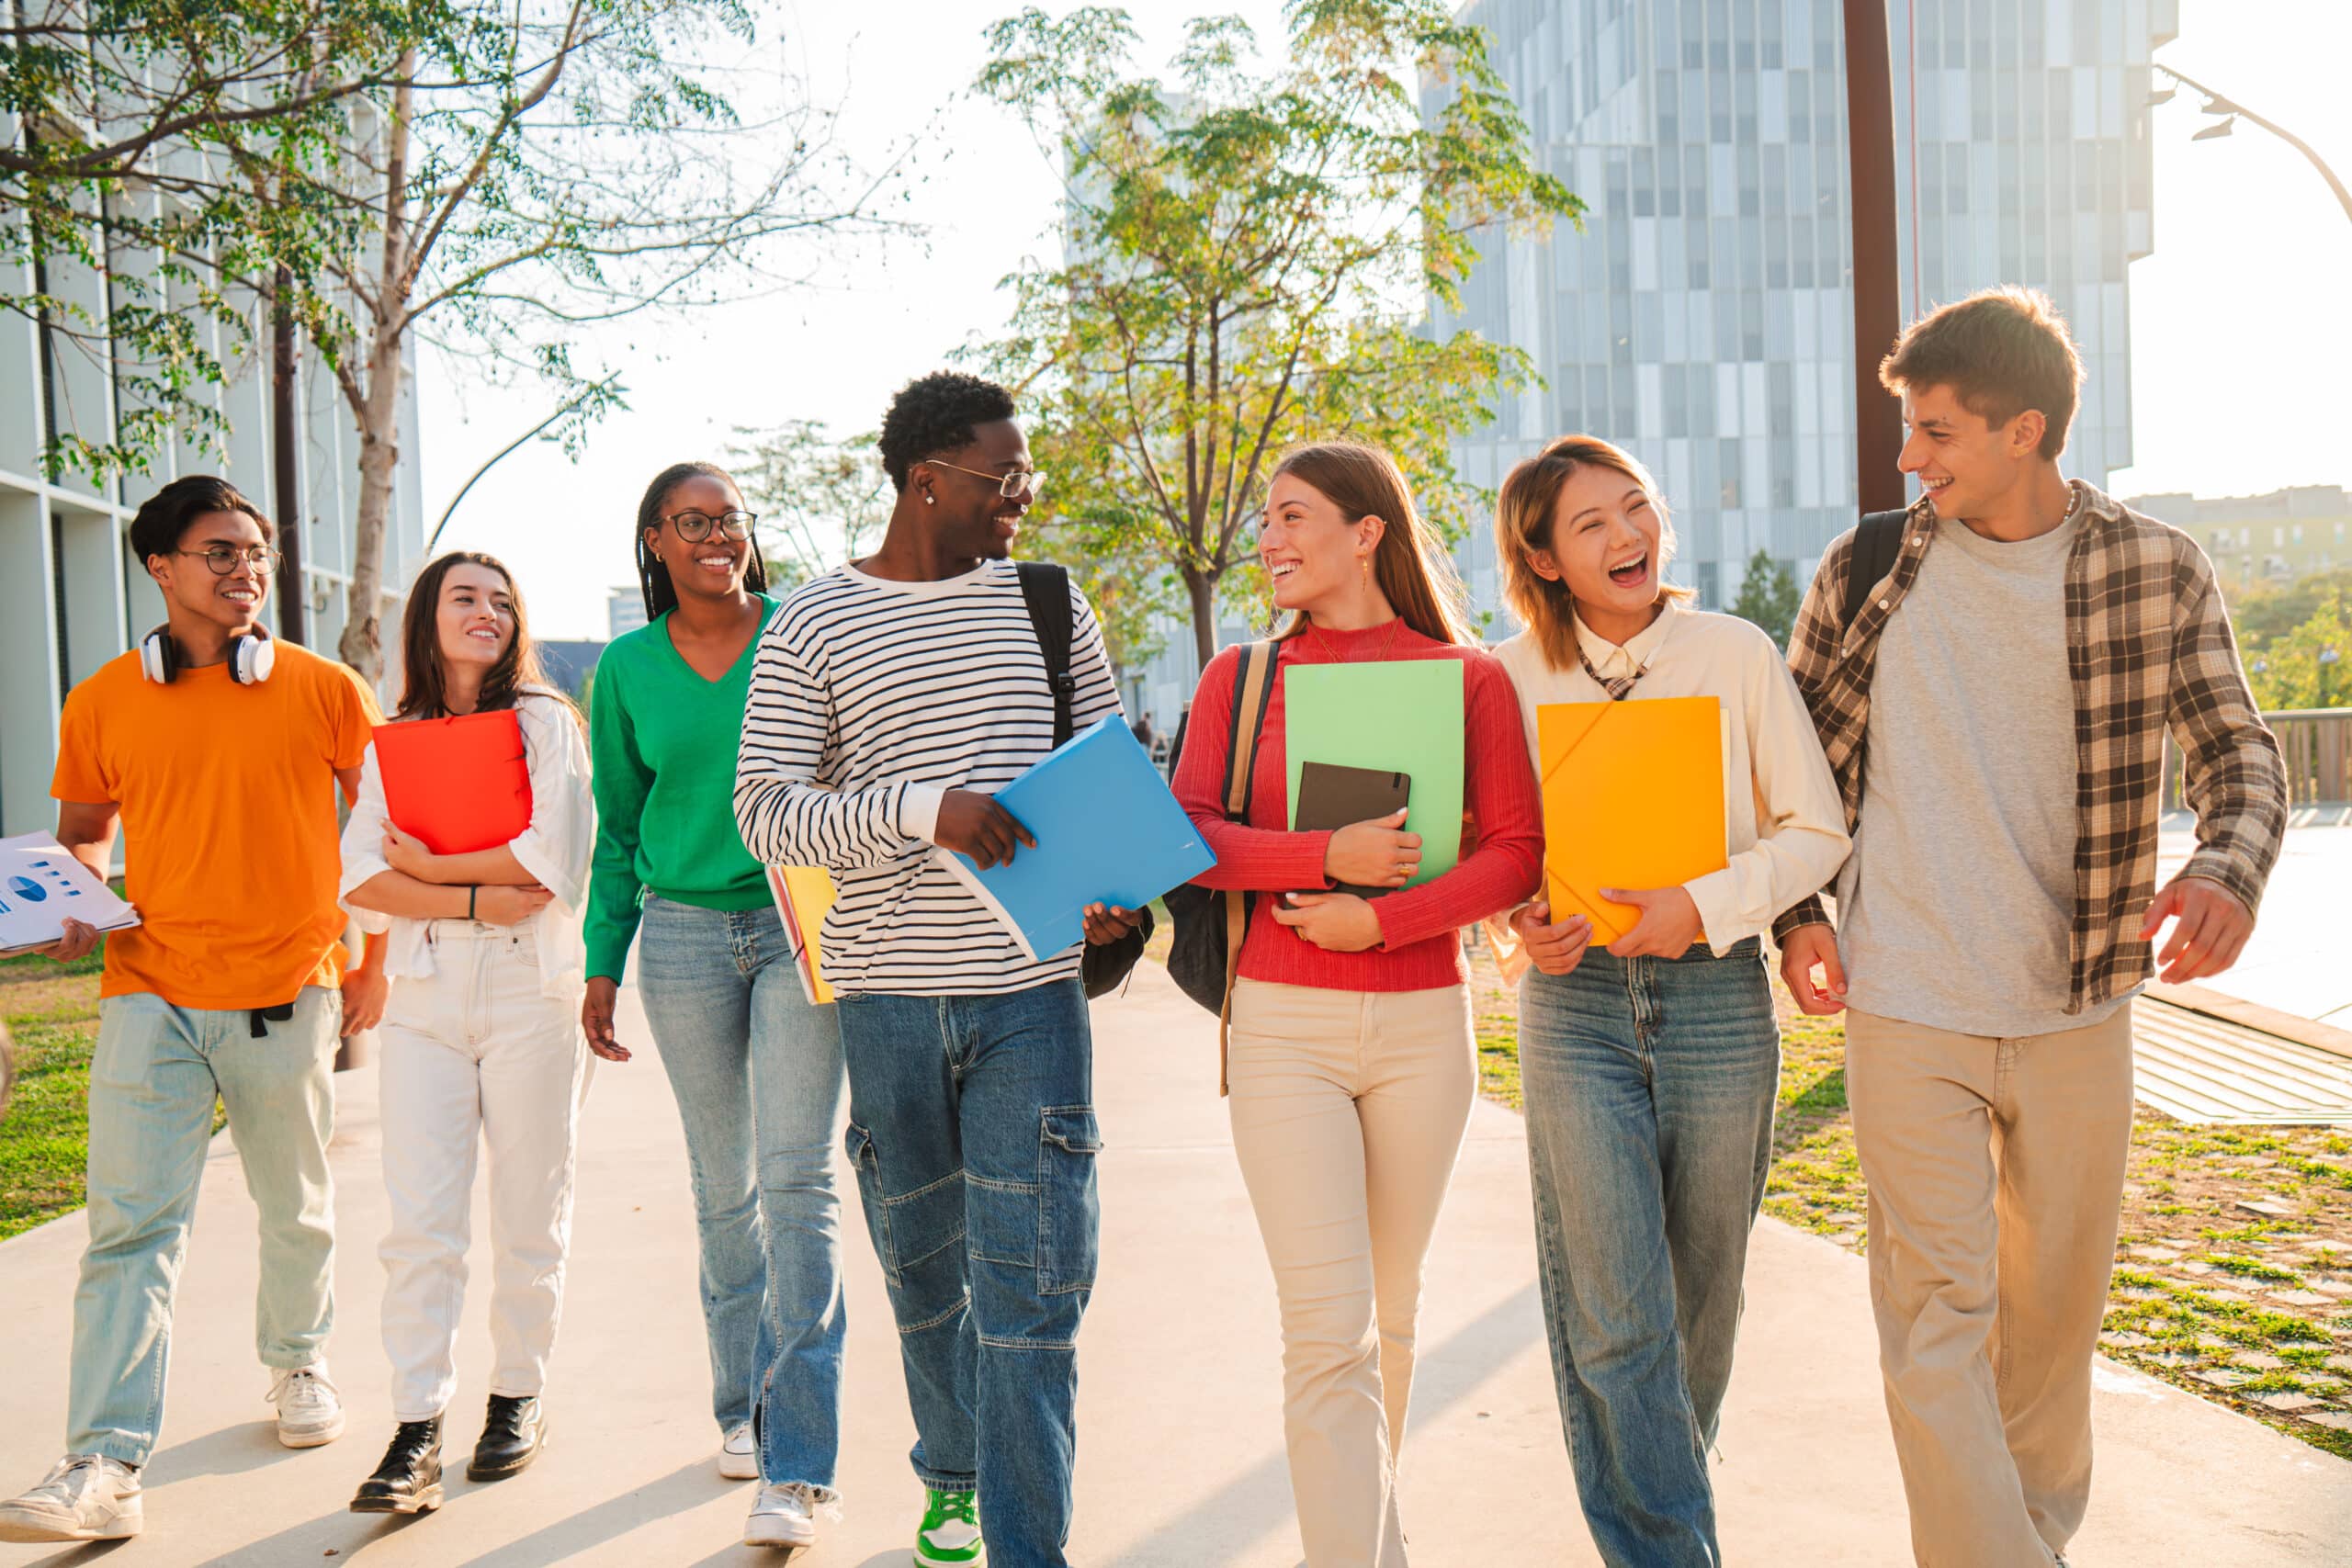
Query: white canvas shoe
(85, 1497)
(782, 1517)
(738, 1456)
(310, 1411)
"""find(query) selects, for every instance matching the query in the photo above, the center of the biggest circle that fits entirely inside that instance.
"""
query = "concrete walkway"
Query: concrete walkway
(1182, 1459)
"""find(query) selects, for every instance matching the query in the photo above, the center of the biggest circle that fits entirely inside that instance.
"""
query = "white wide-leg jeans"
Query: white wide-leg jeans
(475, 1052)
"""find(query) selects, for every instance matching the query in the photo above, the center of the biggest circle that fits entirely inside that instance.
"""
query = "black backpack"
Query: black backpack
(1045, 589)
(1877, 542)
(1209, 924)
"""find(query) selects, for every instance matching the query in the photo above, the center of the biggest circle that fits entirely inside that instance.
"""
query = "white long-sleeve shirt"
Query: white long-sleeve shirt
(1783, 824)
(870, 700)
(555, 848)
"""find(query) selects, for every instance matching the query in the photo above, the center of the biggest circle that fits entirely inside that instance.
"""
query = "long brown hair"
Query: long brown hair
(424, 692)
(1523, 511)
(1412, 566)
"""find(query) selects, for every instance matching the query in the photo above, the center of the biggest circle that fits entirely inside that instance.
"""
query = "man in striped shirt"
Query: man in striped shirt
(888, 699)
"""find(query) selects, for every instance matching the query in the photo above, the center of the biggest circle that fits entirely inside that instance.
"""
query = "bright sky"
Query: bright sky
(2239, 319)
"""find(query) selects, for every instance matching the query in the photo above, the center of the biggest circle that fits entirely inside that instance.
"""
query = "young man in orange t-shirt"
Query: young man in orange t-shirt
(216, 751)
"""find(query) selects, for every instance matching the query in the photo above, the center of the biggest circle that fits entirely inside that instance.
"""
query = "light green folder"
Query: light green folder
(1401, 716)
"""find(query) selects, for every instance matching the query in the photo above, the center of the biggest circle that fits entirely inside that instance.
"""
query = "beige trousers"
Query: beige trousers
(1347, 1111)
(1996, 1172)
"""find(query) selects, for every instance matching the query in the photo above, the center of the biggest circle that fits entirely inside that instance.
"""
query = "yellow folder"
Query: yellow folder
(804, 896)
(1632, 799)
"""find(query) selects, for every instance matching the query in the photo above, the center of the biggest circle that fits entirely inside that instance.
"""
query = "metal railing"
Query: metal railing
(2317, 746)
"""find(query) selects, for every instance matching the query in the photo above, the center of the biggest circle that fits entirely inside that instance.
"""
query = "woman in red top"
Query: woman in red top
(1352, 1063)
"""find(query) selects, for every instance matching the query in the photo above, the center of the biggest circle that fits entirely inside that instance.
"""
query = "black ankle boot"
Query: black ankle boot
(512, 1434)
(408, 1481)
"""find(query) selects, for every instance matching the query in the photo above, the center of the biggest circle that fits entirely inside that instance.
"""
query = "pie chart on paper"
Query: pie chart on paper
(24, 887)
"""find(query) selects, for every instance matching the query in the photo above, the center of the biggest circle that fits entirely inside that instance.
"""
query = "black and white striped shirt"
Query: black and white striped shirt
(870, 700)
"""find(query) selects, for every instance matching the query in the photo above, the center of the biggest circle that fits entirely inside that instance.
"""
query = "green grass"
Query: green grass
(53, 1015)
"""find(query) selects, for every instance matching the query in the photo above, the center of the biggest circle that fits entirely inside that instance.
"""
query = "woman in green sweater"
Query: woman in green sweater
(757, 1068)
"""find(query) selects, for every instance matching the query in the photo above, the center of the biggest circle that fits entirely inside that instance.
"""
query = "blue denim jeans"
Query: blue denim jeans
(757, 1071)
(1650, 1086)
(971, 1124)
(154, 1076)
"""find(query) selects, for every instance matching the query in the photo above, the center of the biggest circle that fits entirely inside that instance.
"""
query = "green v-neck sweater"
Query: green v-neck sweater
(663, 742)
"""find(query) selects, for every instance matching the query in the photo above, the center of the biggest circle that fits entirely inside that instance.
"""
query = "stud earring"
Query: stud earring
(928, 498)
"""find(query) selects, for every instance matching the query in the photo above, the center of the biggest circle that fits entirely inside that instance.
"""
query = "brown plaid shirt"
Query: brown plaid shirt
(2151, 651)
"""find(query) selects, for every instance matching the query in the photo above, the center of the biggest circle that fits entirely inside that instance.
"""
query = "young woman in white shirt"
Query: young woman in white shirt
(480, 1037)
(1651, 1066)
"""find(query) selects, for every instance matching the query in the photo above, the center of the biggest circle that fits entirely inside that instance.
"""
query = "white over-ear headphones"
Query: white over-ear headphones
(251, 657)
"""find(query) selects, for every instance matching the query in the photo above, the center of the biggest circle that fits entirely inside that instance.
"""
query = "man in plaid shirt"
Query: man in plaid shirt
(1995, 713)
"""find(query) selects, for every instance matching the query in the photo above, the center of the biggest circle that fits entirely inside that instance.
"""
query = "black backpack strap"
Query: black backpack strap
(1876, 544)
(1045, 588)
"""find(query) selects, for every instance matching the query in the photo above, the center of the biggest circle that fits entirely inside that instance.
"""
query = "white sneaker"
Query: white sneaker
(85, 1497)
(738, 1456)
(781, 1517)
(310, 1411)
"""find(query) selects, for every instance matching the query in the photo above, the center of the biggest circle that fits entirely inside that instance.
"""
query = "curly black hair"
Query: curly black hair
(935, 413)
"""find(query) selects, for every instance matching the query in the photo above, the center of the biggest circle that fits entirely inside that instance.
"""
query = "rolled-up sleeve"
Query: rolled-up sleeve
(556, 848)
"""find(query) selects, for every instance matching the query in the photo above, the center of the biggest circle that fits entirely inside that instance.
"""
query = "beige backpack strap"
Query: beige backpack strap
(1257, 682)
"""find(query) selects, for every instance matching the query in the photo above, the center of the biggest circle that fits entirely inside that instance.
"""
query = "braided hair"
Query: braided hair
(653, 573)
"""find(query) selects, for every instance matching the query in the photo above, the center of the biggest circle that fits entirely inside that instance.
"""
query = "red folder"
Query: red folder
(459, 785)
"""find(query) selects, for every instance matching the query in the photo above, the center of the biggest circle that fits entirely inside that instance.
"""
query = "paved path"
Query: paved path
(2296, 960)
(1181, 1460)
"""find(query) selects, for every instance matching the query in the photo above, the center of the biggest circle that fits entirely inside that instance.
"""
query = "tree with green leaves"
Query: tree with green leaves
(124, 203)
(2307, 666)
(534, 168)
(1248, 254)
(821, 501)
(1767, 595)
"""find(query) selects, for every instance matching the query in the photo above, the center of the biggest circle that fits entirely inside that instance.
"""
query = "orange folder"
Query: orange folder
(459, 785)
(1632, 799)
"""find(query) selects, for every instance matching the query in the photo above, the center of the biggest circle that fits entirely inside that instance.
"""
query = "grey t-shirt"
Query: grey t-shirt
(1955, 906)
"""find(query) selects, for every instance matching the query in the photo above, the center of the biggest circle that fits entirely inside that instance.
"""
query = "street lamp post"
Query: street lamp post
(1878, 307)
(2233, 111)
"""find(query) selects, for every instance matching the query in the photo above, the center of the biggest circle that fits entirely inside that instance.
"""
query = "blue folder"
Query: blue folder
(1108, 831)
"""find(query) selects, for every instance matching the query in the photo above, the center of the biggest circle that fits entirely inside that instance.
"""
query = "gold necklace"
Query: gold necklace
(1386, 644)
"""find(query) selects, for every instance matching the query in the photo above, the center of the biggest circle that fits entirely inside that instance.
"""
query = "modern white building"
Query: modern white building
(624, 611)
(1704, 318)
(71, 595)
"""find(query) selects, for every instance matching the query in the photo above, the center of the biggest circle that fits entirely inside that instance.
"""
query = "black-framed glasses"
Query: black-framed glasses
(1007, 485)
(696, 526)
(224, 558)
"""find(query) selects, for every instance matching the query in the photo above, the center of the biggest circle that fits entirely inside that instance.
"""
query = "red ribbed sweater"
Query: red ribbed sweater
(1420, 949)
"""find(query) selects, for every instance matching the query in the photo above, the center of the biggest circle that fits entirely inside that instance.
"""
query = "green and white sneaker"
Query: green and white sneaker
(950, 1536)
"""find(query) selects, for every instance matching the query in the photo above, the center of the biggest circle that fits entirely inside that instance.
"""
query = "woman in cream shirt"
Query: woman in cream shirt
(1651, 1066)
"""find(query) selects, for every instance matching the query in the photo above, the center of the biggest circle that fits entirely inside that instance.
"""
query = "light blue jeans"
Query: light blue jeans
(1650, 1086)
(154, 1076)
(757, 1071)
(972, 1129)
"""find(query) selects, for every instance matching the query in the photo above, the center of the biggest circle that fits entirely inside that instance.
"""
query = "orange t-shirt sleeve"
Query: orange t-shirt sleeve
(81, 774)
(356, 715)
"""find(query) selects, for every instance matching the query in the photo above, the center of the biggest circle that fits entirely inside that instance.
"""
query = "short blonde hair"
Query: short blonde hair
(1524, 523)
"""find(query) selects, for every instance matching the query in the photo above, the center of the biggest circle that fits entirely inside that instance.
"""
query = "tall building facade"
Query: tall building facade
(73, 595)
(1703, 317)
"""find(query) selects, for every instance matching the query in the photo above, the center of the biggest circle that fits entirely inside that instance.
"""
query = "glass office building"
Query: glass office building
(1704, 318)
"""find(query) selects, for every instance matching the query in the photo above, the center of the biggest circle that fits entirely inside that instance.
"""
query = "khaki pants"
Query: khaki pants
(1347, 1111)
(1995, 1171)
